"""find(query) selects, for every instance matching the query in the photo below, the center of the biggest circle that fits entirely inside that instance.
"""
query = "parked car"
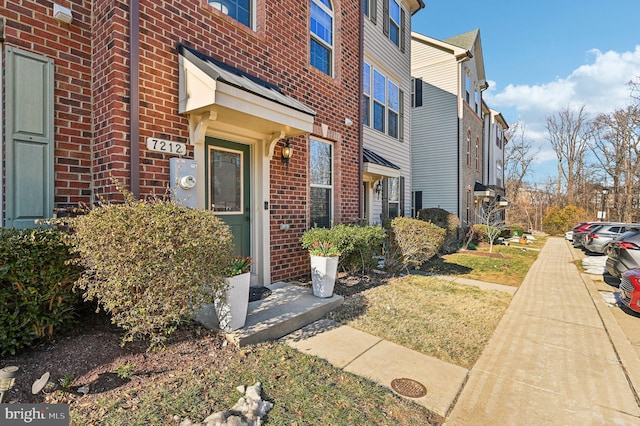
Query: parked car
(568, 235)
(623, 253)
(582, 230)
(630, 289)
(598, 238)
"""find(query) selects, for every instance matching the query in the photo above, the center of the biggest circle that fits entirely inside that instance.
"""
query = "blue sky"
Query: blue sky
(543, 56)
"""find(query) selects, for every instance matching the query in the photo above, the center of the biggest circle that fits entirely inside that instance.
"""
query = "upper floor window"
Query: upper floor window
(321, 27)
(468, 149)
(240, 10)
(498, 137)
(467, 84)
(477, 100)
(366, 84)
(379, 100)
(394, 22)
(393, 104)
(384, 112)
(478, 154)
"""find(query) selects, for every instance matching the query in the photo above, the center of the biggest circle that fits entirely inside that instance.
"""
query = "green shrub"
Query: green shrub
(445, 220)
(413, 242)
(151, 264)
(359, 245)
(36, 286)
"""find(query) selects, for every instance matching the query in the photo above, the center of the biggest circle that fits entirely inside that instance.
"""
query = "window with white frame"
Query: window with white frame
(468, 144)
(321, 44)
(477, 100)
(394, 22)
(477, 150)
(393, 110)
(366, 84)
(240, 10)
(393, 197)
(321, 182)
(370, 9)
(467, 83)
(385, 111)
(499, 137)
(379, 100)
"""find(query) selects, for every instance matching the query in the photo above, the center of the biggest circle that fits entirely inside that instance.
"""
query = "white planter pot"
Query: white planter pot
(232, 312)
(323, 274)
(228, 312)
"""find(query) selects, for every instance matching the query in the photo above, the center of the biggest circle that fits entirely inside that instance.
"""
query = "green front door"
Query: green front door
(228, 189)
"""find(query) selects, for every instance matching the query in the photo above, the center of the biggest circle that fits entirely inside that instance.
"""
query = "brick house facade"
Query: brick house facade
(116, 82)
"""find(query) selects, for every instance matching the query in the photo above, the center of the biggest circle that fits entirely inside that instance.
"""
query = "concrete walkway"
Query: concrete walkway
(558, 357)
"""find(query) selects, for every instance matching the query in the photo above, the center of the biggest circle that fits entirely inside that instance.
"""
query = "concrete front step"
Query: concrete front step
(287, 309)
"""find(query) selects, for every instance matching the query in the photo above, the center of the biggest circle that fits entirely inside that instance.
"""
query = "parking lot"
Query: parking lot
(629, 321)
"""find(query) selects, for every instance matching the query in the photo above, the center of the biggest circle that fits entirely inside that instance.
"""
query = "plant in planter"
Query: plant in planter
(232, 306)
(324, 267)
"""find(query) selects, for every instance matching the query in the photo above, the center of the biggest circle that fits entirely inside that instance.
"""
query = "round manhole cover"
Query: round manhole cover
(409, 388)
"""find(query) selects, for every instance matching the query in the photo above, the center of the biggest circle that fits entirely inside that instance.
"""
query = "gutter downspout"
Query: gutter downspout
(134, 97)
(360, 115)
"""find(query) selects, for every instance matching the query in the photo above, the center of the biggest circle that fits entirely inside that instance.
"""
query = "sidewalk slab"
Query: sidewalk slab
(381, 361)
(387, 361)
(556, 356)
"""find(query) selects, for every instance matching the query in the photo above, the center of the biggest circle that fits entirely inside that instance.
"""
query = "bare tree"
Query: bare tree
(616, 145)
(490, 215)
(519, 155)
(569, 133)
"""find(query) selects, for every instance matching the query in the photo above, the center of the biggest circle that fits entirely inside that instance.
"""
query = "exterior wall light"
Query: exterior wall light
(62, 14)
(7, 379)
(287, 153)
(378, 188)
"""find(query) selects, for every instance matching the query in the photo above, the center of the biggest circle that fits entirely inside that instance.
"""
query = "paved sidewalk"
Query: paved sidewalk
(558, 357)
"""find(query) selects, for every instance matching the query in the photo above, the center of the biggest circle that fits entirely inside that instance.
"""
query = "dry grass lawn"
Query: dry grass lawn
(452, 322)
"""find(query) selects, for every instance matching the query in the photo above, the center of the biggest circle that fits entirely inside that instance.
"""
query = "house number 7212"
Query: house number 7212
(166, 147)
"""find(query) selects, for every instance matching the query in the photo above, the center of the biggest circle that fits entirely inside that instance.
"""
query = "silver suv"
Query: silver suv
(599, 237)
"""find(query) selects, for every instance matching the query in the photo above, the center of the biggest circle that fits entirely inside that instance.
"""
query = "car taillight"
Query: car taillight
(627, 245)
(593, 236)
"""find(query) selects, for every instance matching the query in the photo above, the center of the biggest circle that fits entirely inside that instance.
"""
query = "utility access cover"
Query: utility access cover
(408, 387)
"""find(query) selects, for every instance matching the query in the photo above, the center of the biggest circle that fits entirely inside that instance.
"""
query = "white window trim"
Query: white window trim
(330, 187)
(372, 101)
(331, 47)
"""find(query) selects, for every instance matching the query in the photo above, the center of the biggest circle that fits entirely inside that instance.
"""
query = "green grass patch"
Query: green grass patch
(509, 268)
(449, 321)
(305, 390)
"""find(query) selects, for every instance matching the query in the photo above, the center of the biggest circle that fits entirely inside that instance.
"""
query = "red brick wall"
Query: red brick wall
(30, 26)
(277, 52)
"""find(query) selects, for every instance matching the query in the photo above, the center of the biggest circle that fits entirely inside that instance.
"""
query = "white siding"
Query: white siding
(382, 54)
(435, 150)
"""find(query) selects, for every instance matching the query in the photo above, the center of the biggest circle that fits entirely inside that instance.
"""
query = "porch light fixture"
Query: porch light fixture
(43, 384)
(221, 7)
(7, 379)
(62, 14)
(287, 153)
(378, 188)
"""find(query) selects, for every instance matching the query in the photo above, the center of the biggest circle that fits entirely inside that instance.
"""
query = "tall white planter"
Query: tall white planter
(323, 275)
(228, 312)
(232, 309)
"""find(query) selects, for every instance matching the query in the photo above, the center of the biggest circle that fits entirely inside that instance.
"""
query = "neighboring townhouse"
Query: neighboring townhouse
(495, 128)
(205, 97)
(447, 150)
(386, 91)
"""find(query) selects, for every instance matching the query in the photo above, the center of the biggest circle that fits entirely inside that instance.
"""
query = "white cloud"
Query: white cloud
(601, 86)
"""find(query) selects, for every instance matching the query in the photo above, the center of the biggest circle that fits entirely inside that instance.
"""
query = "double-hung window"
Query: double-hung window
(468, 149)
(321, 44)
(240, 10)
(379, 100)
(321, 182)
(477, 154)
(393, 104)
(383, 112)
(394, 22)
(366, 84)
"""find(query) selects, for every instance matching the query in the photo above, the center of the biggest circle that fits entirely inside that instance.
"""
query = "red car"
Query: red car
(630, 289)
